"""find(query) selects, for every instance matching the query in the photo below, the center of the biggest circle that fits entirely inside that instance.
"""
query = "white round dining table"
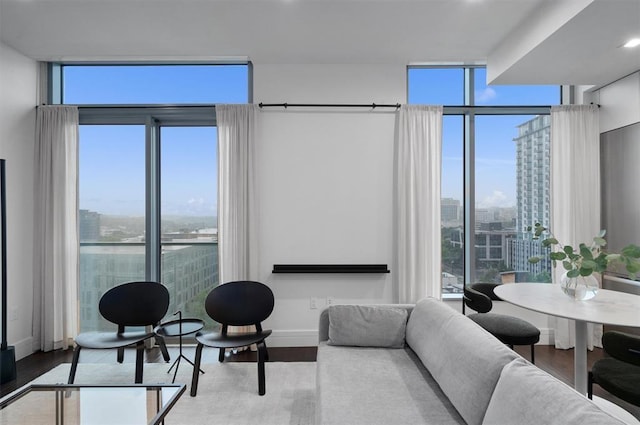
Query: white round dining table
(607, 307)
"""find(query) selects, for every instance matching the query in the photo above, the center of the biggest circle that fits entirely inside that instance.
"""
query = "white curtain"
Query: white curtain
(237, 206)
(55, 286)
(575, 193)
(418, 151)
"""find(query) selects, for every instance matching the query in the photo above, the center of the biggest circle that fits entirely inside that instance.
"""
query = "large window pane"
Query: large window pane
(121, 178)
(436, 86)
(189, 217)
(508, 159)
(495, 179)
(452, 203)
(512, 192)
(512, 95)
(155, 84)
(112, 214)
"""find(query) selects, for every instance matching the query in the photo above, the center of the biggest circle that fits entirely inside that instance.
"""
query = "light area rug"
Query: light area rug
(227, 392)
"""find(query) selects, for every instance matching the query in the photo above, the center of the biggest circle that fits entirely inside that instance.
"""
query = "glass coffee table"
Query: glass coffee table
(64, 404)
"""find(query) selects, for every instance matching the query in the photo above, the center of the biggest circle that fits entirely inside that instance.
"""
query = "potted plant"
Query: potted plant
(580, 264)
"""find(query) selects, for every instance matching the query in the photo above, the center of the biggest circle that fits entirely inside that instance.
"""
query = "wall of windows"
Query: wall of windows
(495, 172)
(148, 176)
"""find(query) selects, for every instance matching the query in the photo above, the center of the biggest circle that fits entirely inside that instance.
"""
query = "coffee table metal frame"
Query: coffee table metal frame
(63, 391)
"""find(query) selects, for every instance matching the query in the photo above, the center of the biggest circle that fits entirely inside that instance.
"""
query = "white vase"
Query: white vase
(579, 288)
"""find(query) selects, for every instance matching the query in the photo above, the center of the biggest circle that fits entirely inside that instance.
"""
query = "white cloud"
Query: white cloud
(485, 95)
(196, 201)
(496, 199)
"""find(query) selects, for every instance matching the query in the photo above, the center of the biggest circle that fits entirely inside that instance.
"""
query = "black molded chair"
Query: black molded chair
(508, 329)
(618, 374)
(129, 304)
(239, 303)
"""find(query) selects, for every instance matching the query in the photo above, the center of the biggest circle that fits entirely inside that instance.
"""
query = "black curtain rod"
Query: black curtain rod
(133, 106)
(329, 105)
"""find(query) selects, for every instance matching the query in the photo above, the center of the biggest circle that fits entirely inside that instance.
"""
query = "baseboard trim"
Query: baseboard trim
(24, 348)
(293, 338)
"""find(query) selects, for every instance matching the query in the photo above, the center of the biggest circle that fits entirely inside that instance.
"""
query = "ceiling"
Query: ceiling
(521, 41)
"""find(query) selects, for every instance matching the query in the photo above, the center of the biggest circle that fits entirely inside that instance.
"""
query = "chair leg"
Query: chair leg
(262, 354)
(221, 355)
(266, 352)
(74, 364)
(196, 370)
(120, 354)
(533, 354)
(139, 362)
(163, 348)
(590, 385)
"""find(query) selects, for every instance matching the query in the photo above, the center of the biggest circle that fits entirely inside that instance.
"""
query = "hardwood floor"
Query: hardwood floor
(558, 363)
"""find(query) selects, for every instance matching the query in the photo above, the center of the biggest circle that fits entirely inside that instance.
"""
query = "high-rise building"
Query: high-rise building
(450, 211)
(89, 226)
(533, 166)
(189, 271)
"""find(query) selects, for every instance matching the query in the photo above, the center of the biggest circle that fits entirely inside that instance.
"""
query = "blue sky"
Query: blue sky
(495, 150)
(112, 160)
(112, 157)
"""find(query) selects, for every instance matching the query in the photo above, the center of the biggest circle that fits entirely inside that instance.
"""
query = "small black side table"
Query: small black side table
(179, 328)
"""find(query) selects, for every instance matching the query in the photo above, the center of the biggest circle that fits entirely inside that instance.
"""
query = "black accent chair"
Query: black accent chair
(128, 304)
(618, 374)
(239, 303)
(508, 329)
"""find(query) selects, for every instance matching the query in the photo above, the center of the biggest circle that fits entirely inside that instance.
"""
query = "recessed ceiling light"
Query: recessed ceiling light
(634, 42)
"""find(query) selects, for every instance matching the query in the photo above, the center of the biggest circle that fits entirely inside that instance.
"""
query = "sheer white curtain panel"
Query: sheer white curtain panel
(237, 203)
(56, 250)
(418, 152)
(575, 194)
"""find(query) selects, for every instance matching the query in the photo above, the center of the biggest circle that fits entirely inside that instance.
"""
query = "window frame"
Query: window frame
(153, 117)
(469, 111)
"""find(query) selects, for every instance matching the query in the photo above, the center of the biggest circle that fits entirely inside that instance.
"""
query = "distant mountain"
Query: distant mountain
(136, 224)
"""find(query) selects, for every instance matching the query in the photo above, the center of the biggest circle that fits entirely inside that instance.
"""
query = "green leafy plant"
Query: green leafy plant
(586, 259)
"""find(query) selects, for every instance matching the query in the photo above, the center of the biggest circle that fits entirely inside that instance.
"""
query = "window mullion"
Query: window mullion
(152, 222)
(469, 253)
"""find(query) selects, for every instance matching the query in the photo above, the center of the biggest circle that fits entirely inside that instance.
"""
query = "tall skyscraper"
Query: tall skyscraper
(533, 166)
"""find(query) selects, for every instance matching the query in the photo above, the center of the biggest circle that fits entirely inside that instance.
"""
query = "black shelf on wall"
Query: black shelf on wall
(330, 268)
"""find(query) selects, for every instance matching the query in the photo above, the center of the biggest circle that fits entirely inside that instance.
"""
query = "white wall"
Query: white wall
(18, 82)
(619, 103)
(325, 187)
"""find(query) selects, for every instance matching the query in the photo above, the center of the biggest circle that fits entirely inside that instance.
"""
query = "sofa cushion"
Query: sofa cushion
(527, 395)
(370, 386)
(464, 359)
(367, 326)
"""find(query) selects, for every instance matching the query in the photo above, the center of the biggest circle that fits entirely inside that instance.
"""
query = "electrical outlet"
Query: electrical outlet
(330, 301)
(313, 303)
(13, 314)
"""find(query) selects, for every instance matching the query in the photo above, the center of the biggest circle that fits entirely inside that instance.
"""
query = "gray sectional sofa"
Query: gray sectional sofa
(428, 364)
